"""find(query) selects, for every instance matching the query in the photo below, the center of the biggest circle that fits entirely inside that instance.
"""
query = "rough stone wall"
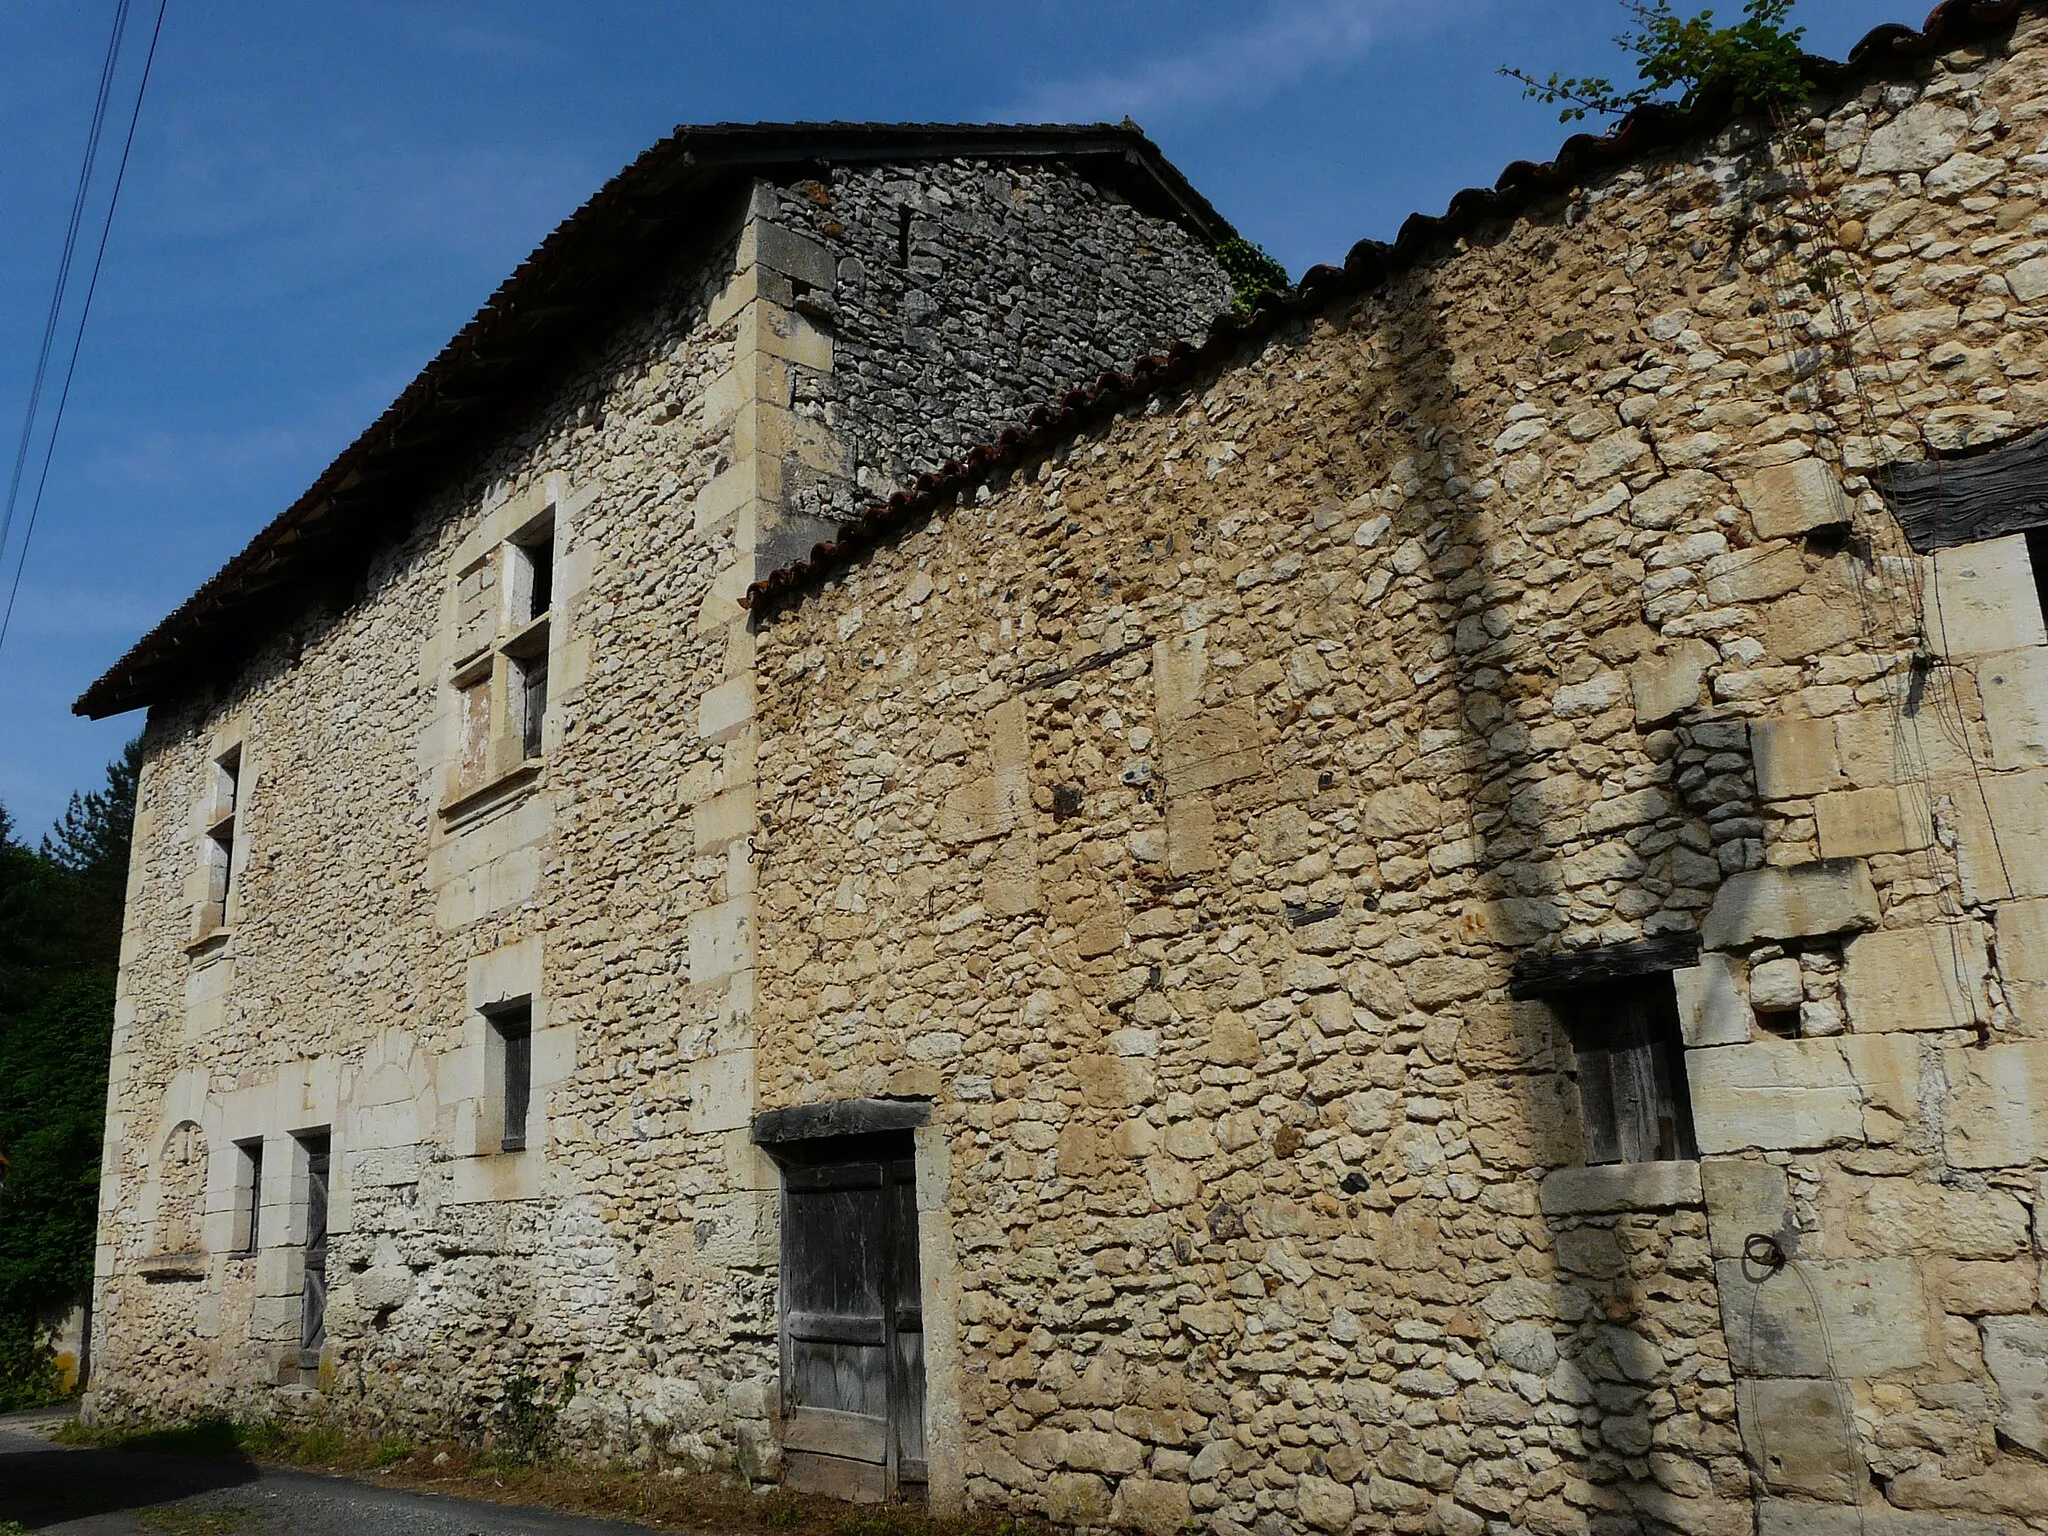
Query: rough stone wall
(342, 993)
(967, 292)
(1174, 814)
(382, 900)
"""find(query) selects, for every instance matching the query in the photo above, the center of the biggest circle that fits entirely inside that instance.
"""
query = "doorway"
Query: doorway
(853, 1380)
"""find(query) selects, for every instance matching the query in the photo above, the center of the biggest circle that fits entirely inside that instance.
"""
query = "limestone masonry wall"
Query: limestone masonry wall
(399, 868)
(970, 287)
(1175, 817)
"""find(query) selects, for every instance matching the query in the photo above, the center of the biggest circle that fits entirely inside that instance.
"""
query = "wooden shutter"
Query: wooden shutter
(313, 1288)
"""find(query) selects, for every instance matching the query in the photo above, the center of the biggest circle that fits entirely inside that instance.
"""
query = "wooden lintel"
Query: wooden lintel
(1570, 970)
(843, 1117)
(1945, 502)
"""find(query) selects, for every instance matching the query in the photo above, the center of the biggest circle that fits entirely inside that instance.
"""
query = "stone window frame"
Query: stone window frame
(499, 742)
(222, 840)
(508, 978)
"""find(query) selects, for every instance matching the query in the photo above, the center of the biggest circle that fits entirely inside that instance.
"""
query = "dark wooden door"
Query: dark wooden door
(852, 1328)
(313, 1289)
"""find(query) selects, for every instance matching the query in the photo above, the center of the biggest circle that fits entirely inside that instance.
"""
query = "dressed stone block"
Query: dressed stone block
(1711, 1007)
(1872, 1314)
(1800, 901)
(2014, 687)
(1795, 759)
(1794, 498)
(1929, 977)
(1783, 1094)
(1982, 600)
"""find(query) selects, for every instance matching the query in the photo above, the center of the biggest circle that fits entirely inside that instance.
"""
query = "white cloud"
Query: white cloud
(1294, 38)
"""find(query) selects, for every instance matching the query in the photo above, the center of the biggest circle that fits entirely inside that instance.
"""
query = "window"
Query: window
(535, 588)
(512, 1042)
(504, 604)
(1632, 1091)
(218, 848)
(533, 592)
(313, 1153)
(533, 697)
(249, 1196)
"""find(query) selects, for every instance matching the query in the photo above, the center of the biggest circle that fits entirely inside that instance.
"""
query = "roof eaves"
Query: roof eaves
(530, 320)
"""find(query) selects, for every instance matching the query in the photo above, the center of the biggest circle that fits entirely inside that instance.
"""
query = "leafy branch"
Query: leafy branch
(1758, 57)
(1251, 271)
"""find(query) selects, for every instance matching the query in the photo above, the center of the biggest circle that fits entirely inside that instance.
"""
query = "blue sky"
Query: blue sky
(321, 194)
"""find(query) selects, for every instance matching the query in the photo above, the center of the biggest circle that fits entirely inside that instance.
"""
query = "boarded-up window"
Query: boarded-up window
(475, 727)
(1631, 1070)
(512, 1053)
(533, 698)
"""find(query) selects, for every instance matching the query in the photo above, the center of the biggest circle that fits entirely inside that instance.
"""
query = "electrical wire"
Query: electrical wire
(63, 281)
(78, 196)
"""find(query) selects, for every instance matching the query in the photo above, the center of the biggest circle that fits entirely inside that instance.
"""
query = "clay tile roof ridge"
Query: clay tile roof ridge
(1884, 50)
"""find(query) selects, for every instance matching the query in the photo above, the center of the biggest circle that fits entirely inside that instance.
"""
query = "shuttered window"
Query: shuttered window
(1631, 1070)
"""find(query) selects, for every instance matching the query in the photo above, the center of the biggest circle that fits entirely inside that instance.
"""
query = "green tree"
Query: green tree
(1679, 58)
(53, 1101)
(89, 847)
(60, 931)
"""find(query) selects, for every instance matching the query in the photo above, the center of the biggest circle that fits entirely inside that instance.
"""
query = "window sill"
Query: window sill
(528, 641)
(1622, 1187)
(210, 943)
(502, 790)
(173, 1266)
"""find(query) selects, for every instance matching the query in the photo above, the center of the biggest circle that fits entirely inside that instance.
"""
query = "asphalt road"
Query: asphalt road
(65, 1492)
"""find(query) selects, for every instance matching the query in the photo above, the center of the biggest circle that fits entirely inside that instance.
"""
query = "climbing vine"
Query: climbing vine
(1680, 57)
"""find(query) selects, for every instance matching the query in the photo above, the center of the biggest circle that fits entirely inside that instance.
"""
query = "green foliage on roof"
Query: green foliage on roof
(1252, 273)
(1678, 58)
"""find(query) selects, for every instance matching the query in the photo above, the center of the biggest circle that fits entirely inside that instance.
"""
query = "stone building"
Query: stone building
(434, 1054)
(1431, 916)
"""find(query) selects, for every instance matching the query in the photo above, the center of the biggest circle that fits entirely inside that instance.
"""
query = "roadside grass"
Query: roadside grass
(183, 1520)
(668, 1498)
(196, 1437)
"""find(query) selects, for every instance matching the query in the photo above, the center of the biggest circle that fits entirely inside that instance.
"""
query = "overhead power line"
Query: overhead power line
(80, 197)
